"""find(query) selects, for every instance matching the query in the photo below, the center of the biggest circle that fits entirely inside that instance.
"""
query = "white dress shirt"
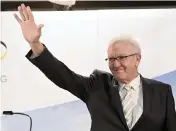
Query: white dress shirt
(137, 97)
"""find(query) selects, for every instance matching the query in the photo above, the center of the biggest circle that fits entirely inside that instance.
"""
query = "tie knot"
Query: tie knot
(128, 87)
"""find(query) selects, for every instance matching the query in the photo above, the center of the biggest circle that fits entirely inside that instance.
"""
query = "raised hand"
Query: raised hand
(30, 30)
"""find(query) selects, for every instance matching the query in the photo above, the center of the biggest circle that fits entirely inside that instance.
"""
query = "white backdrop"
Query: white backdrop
(80, 39)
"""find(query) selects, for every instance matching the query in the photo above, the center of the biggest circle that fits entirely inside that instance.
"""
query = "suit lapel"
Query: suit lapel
(147, 95)
(147, 91)
(116, 102)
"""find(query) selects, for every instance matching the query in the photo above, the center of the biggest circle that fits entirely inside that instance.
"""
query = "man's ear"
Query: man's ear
(138, 58)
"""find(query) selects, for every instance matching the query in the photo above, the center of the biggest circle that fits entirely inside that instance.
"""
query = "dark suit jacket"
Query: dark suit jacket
(103, 100)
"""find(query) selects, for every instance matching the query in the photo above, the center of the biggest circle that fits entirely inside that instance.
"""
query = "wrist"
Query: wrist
(37, 48)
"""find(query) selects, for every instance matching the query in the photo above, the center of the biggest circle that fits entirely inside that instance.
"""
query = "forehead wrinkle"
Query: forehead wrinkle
(121, 49)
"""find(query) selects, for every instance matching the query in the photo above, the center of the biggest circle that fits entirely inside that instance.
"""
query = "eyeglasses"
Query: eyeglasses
(119, 58)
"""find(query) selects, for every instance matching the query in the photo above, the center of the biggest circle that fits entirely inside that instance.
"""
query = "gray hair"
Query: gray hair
(126, 39)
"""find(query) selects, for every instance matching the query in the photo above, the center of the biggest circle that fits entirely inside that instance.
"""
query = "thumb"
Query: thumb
(40, 27)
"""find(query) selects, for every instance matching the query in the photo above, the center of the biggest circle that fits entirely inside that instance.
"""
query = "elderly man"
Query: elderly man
(121, 101)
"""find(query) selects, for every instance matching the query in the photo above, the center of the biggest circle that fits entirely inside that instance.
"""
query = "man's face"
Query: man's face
(125, 68)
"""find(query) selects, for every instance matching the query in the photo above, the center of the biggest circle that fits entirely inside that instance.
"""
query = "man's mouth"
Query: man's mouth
(118, 69)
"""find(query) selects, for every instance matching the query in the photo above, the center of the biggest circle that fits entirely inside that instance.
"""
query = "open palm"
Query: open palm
(30, 30)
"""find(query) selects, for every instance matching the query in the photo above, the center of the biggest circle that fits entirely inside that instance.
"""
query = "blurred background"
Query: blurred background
(72, 28)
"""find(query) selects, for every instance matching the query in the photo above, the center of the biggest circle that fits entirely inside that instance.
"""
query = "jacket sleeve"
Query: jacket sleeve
(62, 76)
(170, 113)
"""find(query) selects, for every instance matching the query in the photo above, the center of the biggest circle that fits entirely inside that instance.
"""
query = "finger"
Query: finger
(40, 27)
(25, 12)
(31, 17)
(18, 19)
(21, 13)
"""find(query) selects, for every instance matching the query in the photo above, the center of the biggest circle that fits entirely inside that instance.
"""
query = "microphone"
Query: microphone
(12, 113)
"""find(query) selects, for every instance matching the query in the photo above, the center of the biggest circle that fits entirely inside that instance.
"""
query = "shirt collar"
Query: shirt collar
(135, 83)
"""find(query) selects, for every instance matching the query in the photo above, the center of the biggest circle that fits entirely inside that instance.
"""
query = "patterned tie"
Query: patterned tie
(127, 104)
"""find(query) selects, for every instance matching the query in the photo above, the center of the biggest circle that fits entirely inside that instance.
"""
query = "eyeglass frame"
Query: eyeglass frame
(120, 58)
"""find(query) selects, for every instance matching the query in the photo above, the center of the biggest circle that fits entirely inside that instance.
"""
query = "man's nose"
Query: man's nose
(117, 63)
